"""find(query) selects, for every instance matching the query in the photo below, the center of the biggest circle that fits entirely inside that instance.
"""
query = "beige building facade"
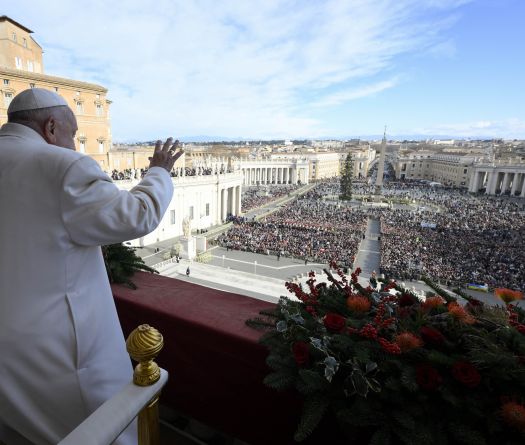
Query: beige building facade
(21, 67)
(498, 178)
(450, 170)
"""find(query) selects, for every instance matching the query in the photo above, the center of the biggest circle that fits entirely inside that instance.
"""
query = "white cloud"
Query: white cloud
(357, 93)
(507, 128)
(233, 68)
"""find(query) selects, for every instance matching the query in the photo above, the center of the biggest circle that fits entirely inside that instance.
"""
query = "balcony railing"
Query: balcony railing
(138, 399)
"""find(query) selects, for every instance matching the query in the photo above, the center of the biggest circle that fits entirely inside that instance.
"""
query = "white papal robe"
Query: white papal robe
(62, 351)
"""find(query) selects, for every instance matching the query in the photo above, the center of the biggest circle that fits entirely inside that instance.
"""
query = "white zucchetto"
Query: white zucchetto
(35, 98)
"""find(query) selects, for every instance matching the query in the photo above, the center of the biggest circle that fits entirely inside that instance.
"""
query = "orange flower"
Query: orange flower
(508, 295)
(358, 303)
(460, 314)
(514, 415)
(433, 302)
(407, 341)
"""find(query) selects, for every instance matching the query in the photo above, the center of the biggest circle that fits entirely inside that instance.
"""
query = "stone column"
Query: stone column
(218, 207)
(294, 175)
(514, 184)
(224, 203)
(491, 183)
(238, 203)
(505, 184)
(473, 186)
(523, 186)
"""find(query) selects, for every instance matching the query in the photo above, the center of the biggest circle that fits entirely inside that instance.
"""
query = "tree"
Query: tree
(346, 178)
(122, 262)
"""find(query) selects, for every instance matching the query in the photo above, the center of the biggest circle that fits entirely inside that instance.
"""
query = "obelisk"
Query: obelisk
(381, 167)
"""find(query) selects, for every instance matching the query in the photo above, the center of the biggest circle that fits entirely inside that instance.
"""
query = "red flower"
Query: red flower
(408, 341)
(357, 303)
(334, 322)
(466, 373)
(301, 352)
(433, 302)
(432, 336)
(427, 377)
(520, 328)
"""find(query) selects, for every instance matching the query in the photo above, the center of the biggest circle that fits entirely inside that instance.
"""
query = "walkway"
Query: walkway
(369, 255)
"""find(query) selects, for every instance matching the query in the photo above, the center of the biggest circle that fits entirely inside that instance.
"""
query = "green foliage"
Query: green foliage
(400, 372)
(279, 380)
(346, 178)
(440, 291)
(313, 411)
(121, 264)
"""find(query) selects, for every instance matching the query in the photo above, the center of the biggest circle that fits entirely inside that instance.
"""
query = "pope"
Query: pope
(62, 351)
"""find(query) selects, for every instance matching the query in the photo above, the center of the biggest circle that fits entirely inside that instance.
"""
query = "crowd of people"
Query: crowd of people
(447, 234)
(138, 173)
(253, 197)
(470, 240)
(305, 228)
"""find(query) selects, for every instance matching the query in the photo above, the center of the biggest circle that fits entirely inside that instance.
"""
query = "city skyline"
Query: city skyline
(289, 69)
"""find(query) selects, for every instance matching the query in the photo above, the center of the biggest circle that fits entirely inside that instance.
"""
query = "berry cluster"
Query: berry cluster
(388, 346)
(368, 331)
(513, 320)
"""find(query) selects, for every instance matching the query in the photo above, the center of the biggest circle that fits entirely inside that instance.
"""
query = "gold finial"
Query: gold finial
(143, 345)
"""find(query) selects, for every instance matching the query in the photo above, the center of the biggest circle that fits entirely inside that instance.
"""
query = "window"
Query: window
(208, 209)
(101, 149)
(6, 81)
(29, 65)
(80, 107)
(82, 146)
(13, 36)
(31, 85)
(24, 42)
(8, 97)
(56, 88)
(465, 171)
(98, 96)
(172, 217)
(77, 93)
(18, 62)
(100, 110)
(191, 212)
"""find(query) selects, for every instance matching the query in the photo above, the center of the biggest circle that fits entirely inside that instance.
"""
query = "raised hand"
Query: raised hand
(165, 155)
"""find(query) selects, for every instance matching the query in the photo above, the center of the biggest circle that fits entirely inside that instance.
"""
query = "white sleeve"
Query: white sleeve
(95, 212)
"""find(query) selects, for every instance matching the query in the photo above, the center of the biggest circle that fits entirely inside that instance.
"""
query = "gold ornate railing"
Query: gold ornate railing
(137, 399)
(143, 345)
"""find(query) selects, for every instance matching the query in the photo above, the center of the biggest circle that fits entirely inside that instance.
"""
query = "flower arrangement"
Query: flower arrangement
(391, 368)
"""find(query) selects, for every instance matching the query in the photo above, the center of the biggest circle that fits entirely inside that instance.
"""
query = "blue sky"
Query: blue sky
(292, 68)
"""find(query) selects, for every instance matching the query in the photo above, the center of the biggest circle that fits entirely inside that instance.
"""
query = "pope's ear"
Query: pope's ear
(50, 130)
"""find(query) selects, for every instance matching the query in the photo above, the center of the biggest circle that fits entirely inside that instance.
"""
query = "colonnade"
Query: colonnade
(229, 202)
(498, 181)
(274, 175)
